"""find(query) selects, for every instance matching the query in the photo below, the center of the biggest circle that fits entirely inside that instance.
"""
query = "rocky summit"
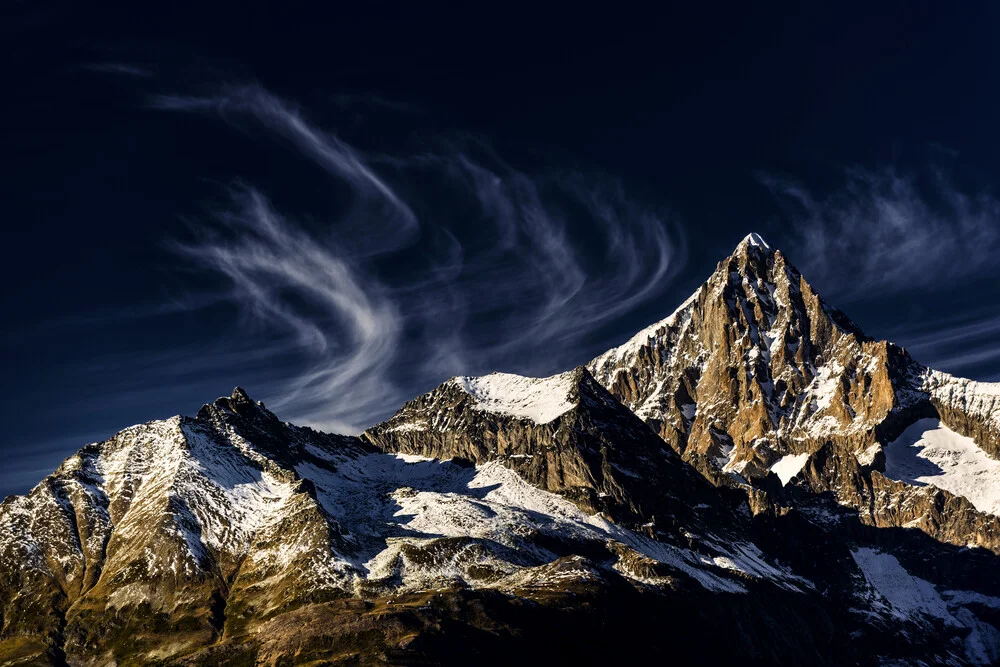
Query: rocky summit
(751, 480)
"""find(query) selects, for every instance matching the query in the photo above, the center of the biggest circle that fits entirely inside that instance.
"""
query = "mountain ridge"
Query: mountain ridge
(725, 464)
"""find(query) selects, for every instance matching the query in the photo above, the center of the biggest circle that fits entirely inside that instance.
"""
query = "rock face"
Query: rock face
(752, 466)
(754, 366)
(564, 434)
(166, 526)
(756, 374)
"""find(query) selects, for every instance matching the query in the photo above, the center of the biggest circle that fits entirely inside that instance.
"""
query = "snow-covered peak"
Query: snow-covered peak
(760, 275)
(754, 240)
(538, 399)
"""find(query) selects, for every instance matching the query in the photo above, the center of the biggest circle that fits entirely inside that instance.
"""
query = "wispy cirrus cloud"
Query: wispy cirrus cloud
(886, 231)
(963, 345)
(446, 260)
(379, 204)
(345, 323)
(123, 69)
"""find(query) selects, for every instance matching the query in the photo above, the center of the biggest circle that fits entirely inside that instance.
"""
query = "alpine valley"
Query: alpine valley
(751, 480)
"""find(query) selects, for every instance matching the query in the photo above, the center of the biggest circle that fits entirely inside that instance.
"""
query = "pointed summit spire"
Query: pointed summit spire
(754, 240)
(240, 394)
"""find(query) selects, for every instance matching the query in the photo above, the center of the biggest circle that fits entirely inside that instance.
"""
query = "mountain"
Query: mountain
(756, 375)
(751, 480)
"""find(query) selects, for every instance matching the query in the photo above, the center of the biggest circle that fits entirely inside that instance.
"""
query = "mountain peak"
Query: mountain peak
(756, 259)
(539, 399)
(754, 240)
(754, 355)
(238, 403)
(240, 395)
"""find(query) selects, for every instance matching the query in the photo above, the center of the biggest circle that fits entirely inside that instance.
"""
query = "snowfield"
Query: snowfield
(908, 597)
(539, 399)
(928, 452)
(388, 501)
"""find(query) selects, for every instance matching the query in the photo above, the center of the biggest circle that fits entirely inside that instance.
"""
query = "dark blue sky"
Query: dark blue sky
(340, 208)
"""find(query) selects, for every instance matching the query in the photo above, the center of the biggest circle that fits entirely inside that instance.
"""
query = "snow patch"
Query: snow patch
(755, 241)
(867, 457)
(409, 427)
(789, 466)
(388, 501)
(824, 386)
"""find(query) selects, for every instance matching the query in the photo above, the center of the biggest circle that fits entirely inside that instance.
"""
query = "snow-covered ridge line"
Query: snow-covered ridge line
(980, 399)
(539, 399)
(635, 343)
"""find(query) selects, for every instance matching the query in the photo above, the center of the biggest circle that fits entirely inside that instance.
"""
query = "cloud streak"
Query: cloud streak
(963, 345)
(447, 260)
(382, 206)
(123, 69)
(304, 289)
(889, 232)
